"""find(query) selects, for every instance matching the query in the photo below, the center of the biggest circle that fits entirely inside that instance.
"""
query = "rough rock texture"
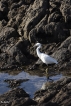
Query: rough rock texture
(55, 93)
(10, 48)
(14, 82)
(24, 22)
(51, 94)
(63, 54)
(16, 97)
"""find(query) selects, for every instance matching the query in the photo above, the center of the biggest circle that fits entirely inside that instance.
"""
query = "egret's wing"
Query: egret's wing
(47, 59)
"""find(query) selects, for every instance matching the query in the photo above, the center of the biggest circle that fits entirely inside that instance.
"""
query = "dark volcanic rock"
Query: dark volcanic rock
(23, 23)
(45, 21)
(66, 43)
(66, 12)
(7, 33)
(63, 54)
(11, 49)
(55, 94)
(1, 16)
(3, 10)
(16, 97)
(35, 13)
(14, 82)
(55, 30)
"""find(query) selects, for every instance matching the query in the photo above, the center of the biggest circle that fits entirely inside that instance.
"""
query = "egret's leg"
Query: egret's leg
(46, 70)
(47, 74)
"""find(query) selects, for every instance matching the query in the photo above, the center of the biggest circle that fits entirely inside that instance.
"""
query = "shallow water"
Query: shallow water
(33, 84)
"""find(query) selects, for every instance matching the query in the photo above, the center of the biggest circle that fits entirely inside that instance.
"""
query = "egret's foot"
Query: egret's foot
(47, 75)
(46, 71)
(49, 79)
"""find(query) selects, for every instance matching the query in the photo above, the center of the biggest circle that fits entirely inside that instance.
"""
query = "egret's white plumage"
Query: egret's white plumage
(44, 57)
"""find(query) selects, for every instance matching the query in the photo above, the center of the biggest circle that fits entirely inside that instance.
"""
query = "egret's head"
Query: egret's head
(37, 45)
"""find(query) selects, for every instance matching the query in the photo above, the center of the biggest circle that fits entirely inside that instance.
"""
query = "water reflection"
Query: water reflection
(34, 83)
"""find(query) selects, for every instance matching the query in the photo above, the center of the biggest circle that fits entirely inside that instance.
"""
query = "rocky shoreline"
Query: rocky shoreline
(22, 24)
(51, 94)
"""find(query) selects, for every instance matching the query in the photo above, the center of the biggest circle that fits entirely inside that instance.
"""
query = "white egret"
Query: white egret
(44, 57)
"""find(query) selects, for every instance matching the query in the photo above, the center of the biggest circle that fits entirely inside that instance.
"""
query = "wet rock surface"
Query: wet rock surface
(55, 93)
(22, 24)
(14, 82)
(52, 93)
(16, 97)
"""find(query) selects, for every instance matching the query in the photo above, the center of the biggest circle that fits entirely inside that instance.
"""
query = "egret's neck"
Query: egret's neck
(38, 51)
